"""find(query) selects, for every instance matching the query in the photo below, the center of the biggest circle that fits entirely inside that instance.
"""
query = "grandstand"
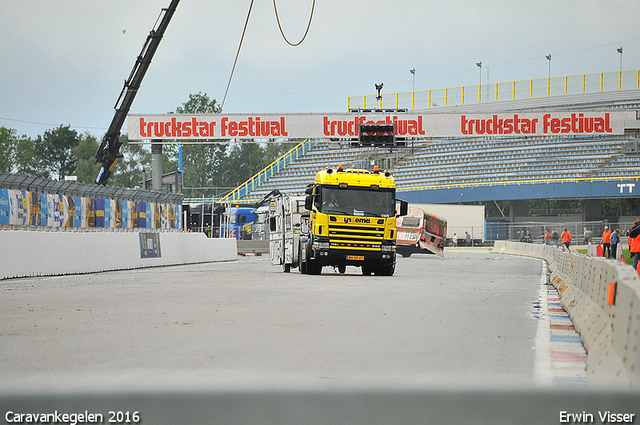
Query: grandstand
(462, 169)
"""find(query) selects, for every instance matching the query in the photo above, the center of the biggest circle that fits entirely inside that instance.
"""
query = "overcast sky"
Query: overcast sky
(65, 61)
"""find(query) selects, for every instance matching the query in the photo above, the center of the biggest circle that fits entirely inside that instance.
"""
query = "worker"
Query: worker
(566, 238)
(606, 243)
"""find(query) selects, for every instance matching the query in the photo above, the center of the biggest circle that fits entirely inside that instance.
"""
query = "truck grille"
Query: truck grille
(362, 237)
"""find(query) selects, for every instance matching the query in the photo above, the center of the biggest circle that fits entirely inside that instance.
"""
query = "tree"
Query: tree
(58, 151)
(86, 168)
(8, 142)
(28, 157)
(128, 172)
(202, 162)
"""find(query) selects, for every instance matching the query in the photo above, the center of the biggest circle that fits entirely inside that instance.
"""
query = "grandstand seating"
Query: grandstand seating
(480, 160)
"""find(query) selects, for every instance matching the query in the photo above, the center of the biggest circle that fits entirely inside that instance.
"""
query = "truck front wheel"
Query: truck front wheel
(386, 270)
(313, 267)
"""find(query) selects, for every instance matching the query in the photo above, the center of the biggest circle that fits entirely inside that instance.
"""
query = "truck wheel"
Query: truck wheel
(302, 265)
(386, 270)
(286, 268)
(366, 271)
(342, 268)
(313, 267)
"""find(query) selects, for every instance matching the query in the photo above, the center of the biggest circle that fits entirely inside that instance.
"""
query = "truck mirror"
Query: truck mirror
(404, 208)
(308, 202)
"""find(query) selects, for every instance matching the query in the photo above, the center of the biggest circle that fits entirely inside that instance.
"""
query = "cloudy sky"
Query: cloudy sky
(65, 61)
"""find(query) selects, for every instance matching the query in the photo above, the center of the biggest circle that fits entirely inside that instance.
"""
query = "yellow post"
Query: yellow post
(446, 97)
(429, 98)
(584, 83)
(462, 94)
(479, 93)
(397, 100)
(566, 84)
(514, 91)
(619, 80)
(496, 91)
(413, 100)
(548, 86)
(530, 88)
(601, 81)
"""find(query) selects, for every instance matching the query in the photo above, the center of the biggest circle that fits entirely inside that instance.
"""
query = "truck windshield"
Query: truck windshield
(362, 202)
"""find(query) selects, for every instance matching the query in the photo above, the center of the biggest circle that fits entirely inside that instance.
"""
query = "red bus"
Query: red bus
(422, 232)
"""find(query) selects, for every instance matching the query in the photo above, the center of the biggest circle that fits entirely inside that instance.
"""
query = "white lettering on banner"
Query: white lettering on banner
(242, 126)
(621, 186)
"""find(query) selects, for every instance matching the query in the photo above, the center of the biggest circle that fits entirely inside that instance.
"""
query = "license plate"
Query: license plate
(355, 257)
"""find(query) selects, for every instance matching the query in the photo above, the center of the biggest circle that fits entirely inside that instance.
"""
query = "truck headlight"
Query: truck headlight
(388, 248)
(321, 245)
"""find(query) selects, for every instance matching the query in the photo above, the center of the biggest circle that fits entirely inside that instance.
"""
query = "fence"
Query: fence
(512, 90)
(28, 202)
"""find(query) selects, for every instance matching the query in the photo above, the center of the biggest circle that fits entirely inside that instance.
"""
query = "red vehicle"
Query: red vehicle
(420, 231)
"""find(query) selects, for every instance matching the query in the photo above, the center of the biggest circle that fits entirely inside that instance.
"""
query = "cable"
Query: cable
(313, 7)
(237, 55)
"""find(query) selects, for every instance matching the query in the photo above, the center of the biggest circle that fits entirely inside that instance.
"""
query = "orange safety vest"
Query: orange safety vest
(634, 245)
(606, 236)
(566, 236)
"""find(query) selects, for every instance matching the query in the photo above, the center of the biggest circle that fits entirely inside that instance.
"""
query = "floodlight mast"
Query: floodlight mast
(109, 151)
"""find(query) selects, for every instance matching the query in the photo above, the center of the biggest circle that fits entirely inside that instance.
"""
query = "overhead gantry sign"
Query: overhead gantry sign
(347, 126)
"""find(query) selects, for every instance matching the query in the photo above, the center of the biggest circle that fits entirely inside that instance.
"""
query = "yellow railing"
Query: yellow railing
(268, 171)
(516, 182)
(586, 83)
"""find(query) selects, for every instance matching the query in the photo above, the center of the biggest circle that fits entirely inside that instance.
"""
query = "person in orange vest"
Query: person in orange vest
(566, 238)
(606, 243)
(634, 243)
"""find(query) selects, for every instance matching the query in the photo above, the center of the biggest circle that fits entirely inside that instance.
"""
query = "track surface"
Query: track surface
(467, 317)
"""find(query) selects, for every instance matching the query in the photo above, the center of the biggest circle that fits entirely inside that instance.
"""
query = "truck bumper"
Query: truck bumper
(332, 257)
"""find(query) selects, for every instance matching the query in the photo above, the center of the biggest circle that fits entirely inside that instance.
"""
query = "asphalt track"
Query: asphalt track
(467, 318)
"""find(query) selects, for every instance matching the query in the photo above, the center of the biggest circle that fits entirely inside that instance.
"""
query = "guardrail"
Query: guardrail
(511, 90)
(603, 299)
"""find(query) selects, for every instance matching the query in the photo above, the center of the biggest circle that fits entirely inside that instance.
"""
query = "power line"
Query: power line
(313, 7)
(237, 55)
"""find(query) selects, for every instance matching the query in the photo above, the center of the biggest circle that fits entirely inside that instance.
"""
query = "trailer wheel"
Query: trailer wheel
(342, 268)
(286, 268)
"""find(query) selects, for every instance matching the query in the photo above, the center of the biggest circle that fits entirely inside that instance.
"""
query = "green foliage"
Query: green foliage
(86, 168)
(128, 170)
(28, 157)
(8, 141)
(58, 151)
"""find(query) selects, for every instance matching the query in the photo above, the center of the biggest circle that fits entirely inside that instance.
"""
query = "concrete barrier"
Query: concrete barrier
(33, 253)
(603, 299)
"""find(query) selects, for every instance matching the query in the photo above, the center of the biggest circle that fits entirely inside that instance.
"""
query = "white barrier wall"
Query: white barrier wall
(603, 299)
(34, 253)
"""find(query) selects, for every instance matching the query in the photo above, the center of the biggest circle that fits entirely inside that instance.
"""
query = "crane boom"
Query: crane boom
(109, 151)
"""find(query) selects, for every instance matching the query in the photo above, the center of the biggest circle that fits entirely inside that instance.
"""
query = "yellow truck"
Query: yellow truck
(349, 219)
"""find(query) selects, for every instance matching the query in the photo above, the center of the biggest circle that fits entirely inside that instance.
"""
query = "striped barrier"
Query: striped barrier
(603, 299)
